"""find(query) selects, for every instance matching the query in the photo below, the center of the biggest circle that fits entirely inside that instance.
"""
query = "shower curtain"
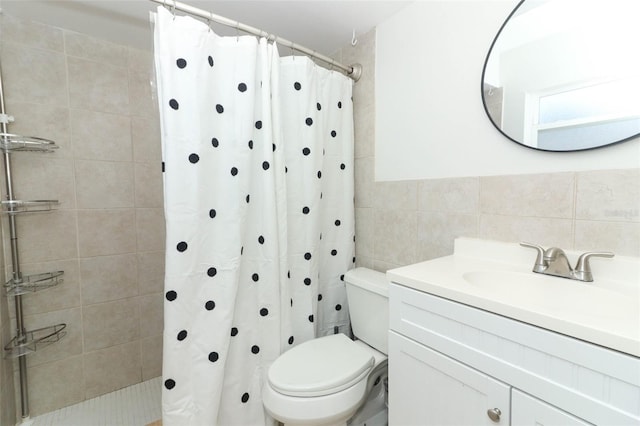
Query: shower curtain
(258, 185)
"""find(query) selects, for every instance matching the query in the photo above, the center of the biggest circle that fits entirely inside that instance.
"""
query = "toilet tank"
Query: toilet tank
(368, 297)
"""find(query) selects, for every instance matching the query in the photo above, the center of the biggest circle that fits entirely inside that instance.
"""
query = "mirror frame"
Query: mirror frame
(486, 110)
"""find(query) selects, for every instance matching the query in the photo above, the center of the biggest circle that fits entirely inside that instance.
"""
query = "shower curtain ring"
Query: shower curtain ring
(173, 10)
(209, 21)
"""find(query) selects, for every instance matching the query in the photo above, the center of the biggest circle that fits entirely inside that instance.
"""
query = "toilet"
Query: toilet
(332, 379)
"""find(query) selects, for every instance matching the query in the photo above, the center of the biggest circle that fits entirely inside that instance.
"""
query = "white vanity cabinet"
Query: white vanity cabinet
(414, 366)
(454, 364)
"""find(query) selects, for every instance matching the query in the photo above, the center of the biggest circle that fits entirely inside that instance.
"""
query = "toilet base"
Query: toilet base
(374, 411)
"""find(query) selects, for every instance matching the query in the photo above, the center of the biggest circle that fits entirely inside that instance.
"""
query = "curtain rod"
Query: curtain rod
(352, 71)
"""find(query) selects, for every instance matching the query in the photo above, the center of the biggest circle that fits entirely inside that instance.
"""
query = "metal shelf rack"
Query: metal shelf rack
(24, 342)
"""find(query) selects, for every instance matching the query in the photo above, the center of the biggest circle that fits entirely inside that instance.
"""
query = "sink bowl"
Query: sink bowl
(552, 295)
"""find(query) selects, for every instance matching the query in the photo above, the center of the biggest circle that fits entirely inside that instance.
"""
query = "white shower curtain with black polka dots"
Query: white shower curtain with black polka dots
(258, 186)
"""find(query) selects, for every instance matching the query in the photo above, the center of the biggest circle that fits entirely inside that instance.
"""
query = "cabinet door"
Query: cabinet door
(529, 411)
(428, 388)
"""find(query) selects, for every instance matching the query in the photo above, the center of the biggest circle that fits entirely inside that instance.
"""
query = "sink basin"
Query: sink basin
(497, 277)
(553, 294)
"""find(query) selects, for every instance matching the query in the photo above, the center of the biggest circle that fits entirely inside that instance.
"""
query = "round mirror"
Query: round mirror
(564, 75)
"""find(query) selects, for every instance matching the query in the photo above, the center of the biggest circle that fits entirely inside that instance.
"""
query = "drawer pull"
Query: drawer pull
(494, 414)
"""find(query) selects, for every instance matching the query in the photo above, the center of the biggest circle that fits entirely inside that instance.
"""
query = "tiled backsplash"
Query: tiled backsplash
(94, 99)
(403, 222)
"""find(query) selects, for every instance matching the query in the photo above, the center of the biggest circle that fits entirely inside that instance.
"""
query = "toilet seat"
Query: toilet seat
(321, 367)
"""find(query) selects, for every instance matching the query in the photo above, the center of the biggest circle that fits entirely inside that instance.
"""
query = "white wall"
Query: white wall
(430, 122)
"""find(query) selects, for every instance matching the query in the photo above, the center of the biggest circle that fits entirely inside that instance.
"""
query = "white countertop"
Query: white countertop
(605, 312)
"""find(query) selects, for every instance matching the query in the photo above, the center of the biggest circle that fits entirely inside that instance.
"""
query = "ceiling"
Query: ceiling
(321, 25)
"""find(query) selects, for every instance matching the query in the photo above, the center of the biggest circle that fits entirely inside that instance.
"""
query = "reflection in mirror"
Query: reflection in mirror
(564, 75)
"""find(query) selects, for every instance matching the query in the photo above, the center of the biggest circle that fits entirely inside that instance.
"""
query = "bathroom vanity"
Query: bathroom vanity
(476, 338)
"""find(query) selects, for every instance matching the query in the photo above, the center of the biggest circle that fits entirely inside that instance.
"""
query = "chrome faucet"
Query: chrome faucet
(553, 261)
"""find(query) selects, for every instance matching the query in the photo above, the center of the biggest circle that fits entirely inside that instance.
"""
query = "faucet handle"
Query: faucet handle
(540, 264)
(583, 267)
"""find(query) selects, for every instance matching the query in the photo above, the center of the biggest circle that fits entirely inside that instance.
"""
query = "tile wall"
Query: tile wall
(95, 100)
(399, 223)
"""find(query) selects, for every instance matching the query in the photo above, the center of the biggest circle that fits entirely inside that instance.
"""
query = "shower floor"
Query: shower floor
(136, 405)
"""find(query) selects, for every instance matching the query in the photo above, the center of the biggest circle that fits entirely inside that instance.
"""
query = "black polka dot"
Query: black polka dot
(247, 198)
(163, 167)
(273, 147)
(318, 106)
(321, 195)
(255, 278)
(305, 210)
(171, 295)
(354, 259)
(219, 108)
(215, 142)
(241, 250)
(310, 318)
(291, 302)
(255, 349)
(234, 331)
(319, 297)
(261, 239)
(290, 340)
(307, 281)
(338, 307)
(174, 104)
(169, 383)
(242, 87)
(212, 272)
(319, 174)
(307, 256)
(234, 171)
(245, 397)
(181, 63)
(194, 158)
(309, 121)
(264, 312)
(337, 222)
(182, 246)
(210, 305)
(258, 124)
(339, 104)
(342, 166)
(297, 86)
(182, 335)
(289, 274)
(334, 252)
(210, 61)
(265, 165)
(342, 277)
(333, 134)
(213, 356)
(212, 213)
(306, 151)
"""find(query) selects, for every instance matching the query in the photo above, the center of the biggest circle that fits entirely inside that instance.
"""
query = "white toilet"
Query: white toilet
(325, 381)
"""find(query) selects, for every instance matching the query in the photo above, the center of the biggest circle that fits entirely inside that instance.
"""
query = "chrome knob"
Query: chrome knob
(494, 414)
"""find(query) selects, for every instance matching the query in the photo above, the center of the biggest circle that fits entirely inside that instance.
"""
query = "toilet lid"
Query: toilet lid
(320, 367)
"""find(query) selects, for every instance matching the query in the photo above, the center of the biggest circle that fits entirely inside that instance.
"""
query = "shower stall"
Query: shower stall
(106, 229)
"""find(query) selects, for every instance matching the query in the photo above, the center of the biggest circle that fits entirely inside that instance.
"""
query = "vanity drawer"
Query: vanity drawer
(597, 384)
